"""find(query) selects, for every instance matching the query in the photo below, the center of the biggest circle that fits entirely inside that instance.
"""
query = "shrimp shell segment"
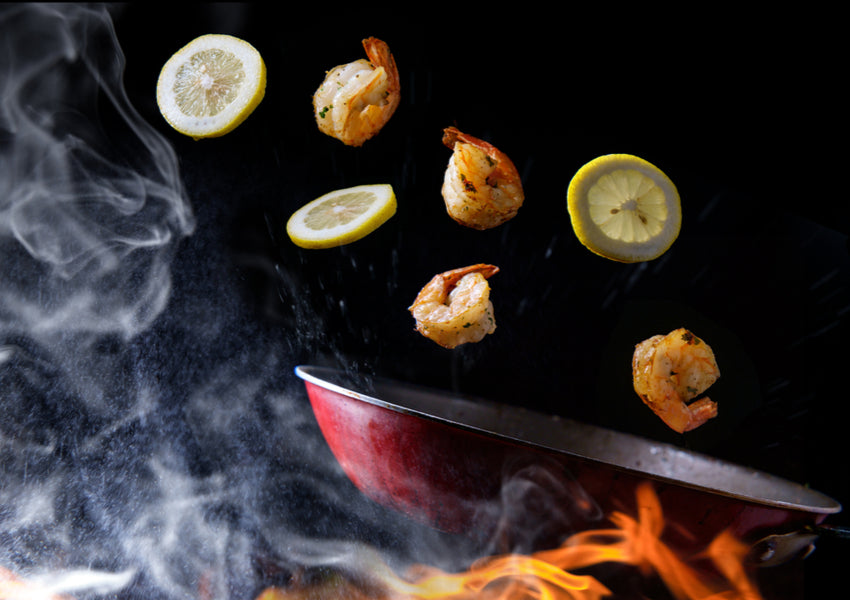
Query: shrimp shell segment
(671, 370)
(357, 99)
(481, 187)
(454, 308)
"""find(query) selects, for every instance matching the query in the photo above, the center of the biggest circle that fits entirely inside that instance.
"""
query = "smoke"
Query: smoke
(91, 204)
(127, 471)
(123, 467)
(91, 213)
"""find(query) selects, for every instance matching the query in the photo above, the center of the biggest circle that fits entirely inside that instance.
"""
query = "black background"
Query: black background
(736, 113)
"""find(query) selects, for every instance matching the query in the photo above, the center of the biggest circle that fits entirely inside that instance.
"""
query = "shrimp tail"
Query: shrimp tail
(504, 167)
(452, 135)
(679, 416)
(378, 53)
(442, 283)
(700, 411)
(450, 278)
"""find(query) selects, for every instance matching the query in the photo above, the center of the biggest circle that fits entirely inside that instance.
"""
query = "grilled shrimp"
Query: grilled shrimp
(455, 308)
(481, 187)
(670, 370)
(357, 99)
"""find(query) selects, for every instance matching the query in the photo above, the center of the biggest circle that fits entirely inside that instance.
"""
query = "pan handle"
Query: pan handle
(780, 548)
(832, 531)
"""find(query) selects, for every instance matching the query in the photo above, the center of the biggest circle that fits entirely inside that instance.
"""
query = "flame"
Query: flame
(549, 574)
(635, 541)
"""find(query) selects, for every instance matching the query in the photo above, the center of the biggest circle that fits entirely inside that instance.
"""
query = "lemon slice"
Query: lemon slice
(342, 216)
(211, 85)
(624, 208)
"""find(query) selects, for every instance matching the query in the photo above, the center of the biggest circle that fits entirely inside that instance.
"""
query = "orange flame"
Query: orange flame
(547, 575)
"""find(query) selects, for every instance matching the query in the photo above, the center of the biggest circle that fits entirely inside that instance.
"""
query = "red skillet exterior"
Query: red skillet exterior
(440, 475)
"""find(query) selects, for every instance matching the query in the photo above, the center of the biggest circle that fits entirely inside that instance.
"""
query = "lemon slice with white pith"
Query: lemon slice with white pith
(624, 208)
(342, 216)
(211, 85)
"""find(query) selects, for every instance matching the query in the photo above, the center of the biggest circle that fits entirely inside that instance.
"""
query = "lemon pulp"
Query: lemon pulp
(208, 82)
(211, 85)
(338, 211)
(624, 208)
(342, 216)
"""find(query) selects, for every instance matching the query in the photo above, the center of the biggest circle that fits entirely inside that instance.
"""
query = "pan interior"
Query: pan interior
(612, 448)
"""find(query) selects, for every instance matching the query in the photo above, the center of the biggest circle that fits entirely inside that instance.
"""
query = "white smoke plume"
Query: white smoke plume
(88, 219)
(123, 468)
(127, 473)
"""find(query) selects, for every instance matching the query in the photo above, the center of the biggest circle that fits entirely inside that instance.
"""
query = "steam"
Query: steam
(81, 581)
(124, 469)
(120, 468)
(88, 221)
(91, 212)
